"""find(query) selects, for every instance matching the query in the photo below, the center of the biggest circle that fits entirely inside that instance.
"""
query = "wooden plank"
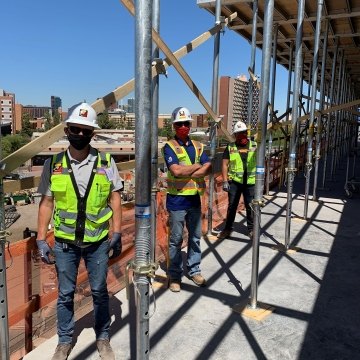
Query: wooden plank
(179, 68)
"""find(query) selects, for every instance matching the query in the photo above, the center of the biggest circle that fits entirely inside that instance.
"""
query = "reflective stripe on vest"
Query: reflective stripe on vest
(97, 211)
(236, 168)
(185, 185)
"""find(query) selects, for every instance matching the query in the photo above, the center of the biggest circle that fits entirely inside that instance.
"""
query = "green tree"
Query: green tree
(105, 122)
(167, 129)
(56, 118)
(47, 124)
(27, 129)
(11, 143)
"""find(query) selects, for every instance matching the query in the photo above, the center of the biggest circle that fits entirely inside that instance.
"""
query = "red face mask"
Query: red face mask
(241, 139)
(182, 132)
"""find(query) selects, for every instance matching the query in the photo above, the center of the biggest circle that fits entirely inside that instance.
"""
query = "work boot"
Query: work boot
(198, 279)
(174, 285)
(105, 350)
(224, 234)
(62, 352)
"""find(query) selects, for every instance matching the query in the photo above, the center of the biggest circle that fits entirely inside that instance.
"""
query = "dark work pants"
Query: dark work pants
(236, 189)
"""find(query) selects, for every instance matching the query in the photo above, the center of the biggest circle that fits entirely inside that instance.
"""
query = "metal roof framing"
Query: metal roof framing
(343, 16)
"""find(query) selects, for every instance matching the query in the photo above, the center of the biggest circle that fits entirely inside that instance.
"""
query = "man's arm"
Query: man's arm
(46, 208)
(115, 204)
(184, 170)
(224, 169)
(203, 171)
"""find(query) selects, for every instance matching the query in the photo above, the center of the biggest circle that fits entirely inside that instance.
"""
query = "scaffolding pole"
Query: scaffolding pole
(4, 323)
(214, 105)
(328, 122)
(143, 115)
(294, 119)
(154, 134)
(321, 107)
(252, 66)
(260, 155)
(310, 139)
(272, 102)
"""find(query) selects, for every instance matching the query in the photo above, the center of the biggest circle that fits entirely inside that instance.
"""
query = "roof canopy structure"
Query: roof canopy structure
(344, 23)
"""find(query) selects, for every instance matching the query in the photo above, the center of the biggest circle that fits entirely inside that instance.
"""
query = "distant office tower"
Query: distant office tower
(36, 111)
(7, 112)
(131, 105)
(56, 103)
(233, 101)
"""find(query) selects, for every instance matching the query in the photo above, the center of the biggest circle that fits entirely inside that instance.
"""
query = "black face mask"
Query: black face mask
(79, 142)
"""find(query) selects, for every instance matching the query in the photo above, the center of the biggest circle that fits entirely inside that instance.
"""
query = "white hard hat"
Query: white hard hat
(181, 114)
(83, 114)
(240, 126)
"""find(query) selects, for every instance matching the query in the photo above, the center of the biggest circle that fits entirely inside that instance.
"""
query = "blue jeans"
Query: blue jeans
(67, 264)
(177, 220)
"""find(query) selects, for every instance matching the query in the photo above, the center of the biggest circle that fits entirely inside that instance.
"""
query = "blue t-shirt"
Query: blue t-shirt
(182, 202)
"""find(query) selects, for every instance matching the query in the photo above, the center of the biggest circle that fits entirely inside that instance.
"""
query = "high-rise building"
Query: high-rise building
(131, 105)
(7, 112)
(56, 104)
(36, 111)
(234, 99)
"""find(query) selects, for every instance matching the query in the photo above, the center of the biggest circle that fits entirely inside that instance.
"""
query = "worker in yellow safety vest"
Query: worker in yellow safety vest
(81, 188)
(238, 172)
(187, 165)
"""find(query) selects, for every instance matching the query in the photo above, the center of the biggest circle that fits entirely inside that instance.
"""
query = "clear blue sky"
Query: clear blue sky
(79, 49)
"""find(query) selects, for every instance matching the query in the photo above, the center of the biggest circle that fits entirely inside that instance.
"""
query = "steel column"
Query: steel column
(154, 134)
(260, 156)
(315, 68)
(331, 100)
(294, 119)
(4, 323)
(214, 105)
(321, 106)
(272, 102)
(143, 115)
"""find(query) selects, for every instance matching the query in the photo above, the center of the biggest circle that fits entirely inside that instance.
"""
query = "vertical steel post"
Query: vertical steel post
(252, 64)
(214, 105)
(331, 100)
(143, 115)
(272, 102)
(294, 119)
(321, 107)
(260, 156)
(336, 127)
(154, 134)
(4, 323)
(315, 68)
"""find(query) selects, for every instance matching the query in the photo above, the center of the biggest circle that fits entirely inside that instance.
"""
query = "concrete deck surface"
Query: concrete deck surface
(315, 293)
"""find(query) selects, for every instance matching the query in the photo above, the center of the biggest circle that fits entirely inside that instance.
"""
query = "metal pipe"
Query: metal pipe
(154, 134)
(143, 115)
(331, 101)
(315, 69)
(335, 138)
(4, 323)
(260, 156)
(321, 107)
(214, 105)
(294, 119)
(252, 65)
(272, 102)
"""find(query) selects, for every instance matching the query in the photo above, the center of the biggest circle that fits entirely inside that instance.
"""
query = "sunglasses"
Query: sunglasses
(77, 130)
(182, 123)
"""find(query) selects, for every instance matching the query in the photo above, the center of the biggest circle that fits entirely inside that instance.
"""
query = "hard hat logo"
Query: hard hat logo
(181, 114)
(83, 113)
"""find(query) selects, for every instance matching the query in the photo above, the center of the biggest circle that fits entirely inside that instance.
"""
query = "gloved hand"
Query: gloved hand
(226, 186)
(115, 245)
(45, 250)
